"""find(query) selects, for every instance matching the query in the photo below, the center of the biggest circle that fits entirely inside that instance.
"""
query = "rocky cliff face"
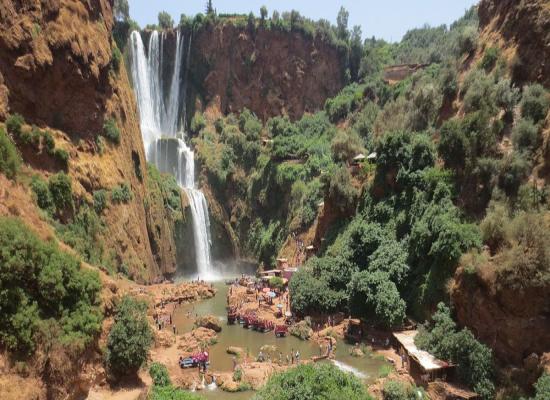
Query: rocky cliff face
(267, 71)
(524, 27)
(56, 70)
(514, 323)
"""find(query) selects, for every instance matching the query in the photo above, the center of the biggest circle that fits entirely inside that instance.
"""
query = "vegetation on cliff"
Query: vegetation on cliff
(47, 299)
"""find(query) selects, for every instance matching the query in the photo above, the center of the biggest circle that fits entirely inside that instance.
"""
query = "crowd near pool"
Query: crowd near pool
(366, 368)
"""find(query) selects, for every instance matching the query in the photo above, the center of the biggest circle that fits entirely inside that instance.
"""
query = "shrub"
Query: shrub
(542, 387)
(61, 191)
(43, 285)
(49, 142)
(506, 95)
(62, 156)
(525, 135)
(14, 124)
(130, 338)
(277, 283)
(116, 58)
(467, 40)
(534, 103)
(111, 131)
(121, 194)
(42, 193)
(395, 390)
(345, 146)
(301, 330)
(10, 160)
(490, 58)
(198, 123)
(340, 189)
(100, 201)
(159, 374)
(313, 382)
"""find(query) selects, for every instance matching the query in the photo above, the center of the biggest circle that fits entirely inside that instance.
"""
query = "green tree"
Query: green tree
(308, 382)
(534, 102)
(129, 339)
(209, 9)
(10, 160)
(542, 388)
(342, 24)
(61, 190)
(525, 135)
(165, 20)
(263, 13)
(121, 10)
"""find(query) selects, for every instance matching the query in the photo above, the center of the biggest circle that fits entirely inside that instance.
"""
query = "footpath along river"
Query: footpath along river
(366, 368)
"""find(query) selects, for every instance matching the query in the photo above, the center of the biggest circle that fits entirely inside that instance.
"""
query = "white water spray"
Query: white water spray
(164, 145)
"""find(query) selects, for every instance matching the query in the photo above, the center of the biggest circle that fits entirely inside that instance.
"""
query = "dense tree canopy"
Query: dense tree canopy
(311, 382)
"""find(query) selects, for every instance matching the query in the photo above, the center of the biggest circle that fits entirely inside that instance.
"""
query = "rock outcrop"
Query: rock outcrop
(267, 71)
(523, 27)
(57, 71)
(514, 323)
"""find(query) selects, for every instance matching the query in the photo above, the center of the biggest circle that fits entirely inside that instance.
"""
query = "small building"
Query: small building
(358, 159)
(372, 156)
(271, 273)
(420, 363)
(282, 263)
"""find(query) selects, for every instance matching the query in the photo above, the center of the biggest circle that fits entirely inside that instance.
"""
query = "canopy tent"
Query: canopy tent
(424, 359)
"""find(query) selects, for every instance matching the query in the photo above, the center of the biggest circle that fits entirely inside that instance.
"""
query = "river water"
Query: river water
(366, 368)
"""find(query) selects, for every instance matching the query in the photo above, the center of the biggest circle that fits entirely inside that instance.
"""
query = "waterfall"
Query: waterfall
(164, 144)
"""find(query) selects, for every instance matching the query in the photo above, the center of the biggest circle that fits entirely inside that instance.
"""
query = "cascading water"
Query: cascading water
(164, 145)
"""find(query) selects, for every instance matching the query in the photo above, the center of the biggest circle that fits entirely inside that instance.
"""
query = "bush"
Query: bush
(121, 194)
(10, 160)
(14, 124)
(116, 58)
(313, 382)
(301, 330)
(525, 135)
(490, 58)
(62, 156)
(41, 284)
(61, 191)
(159, 374)
(395, 390)
(542, 388)
(506, 95)
(467, 40)
(42, 193)
(100, 201)
(111, 131)
(340, 190)
(49, 142)
(198, 123)
(130, 338)
(534, 103)
(345, 146)
(277, 283)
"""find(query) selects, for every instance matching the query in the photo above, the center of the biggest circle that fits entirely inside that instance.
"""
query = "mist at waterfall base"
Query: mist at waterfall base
(160, 86)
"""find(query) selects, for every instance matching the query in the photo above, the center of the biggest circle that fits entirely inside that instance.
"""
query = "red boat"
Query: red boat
(264, 326)
(281, 330)
(249, 320)
(231, 316)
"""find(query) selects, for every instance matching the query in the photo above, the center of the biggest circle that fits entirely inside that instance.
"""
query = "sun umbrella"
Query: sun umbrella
(266, 290)
(288, 314)
(272, 294)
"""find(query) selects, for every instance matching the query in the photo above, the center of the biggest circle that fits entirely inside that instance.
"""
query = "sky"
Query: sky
(386, 19)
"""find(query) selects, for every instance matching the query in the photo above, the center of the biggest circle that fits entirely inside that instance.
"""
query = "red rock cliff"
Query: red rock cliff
(267, 71)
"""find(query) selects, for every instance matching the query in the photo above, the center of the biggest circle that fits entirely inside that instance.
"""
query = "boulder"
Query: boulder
(209, 322)
(237, 351)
